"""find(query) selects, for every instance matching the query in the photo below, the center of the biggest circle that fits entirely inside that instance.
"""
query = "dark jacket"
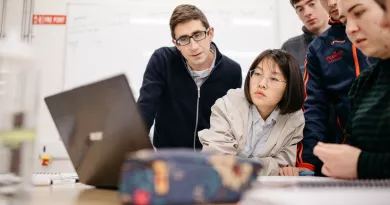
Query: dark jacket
(298, 45)
(170, 97)
(332, 65)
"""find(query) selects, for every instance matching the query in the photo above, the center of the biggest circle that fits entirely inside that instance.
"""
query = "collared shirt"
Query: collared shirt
(259, 133)
(200, 76)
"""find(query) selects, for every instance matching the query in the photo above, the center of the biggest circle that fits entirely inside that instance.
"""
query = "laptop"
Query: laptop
(99, 124)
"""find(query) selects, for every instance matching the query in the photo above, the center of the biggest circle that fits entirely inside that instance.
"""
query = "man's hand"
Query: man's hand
(340, 161)
(292, 171)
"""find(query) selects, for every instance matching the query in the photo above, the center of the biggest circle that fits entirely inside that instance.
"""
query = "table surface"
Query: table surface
(79, 194)
(67, 194)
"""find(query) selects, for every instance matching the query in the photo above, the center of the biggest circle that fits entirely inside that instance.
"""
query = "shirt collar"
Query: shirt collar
(308, 35)
(256, 117)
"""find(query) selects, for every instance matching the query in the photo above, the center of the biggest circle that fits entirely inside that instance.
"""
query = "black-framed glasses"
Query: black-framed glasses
(258, 76)
(197, 36)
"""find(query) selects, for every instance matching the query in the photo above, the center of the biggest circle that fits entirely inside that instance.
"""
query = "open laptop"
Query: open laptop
(99, 124)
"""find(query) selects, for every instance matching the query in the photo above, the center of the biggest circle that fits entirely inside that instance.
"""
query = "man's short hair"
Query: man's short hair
(294, 95)
(293, 2)
(184, 13)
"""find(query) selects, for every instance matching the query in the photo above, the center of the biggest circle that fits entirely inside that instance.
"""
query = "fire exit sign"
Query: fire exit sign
(49, 19)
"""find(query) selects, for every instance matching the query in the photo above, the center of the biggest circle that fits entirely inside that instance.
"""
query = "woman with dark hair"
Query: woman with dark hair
(368, 128)
(264, 121)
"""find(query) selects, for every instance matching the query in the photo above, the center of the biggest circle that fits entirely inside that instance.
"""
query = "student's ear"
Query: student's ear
(177, 46)
(174, 43)
(211, 33)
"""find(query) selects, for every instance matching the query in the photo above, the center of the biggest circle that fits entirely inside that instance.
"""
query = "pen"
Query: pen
(64, 181)
(306, 173)
(48, 182)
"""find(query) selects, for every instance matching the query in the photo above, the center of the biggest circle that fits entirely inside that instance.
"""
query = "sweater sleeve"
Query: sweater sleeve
(316, 112)
(152, 90)
(374, 165)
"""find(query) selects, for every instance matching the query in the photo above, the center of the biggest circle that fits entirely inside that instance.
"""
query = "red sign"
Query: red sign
(49, 19)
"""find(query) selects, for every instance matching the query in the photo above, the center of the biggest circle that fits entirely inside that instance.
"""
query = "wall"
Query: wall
(49, 44)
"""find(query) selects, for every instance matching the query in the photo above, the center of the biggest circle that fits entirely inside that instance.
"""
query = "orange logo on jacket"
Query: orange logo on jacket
(336, 55)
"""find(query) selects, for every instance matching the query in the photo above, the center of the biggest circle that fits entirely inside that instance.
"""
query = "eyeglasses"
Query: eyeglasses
(198, 36)
(257, 76)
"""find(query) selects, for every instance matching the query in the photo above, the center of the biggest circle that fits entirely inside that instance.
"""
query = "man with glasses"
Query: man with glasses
(181, 83)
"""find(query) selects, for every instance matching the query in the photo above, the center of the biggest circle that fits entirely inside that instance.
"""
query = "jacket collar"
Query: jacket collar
(308, 35)
(333, 22)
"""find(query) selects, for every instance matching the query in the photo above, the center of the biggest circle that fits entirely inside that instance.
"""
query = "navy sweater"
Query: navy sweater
(170, 96)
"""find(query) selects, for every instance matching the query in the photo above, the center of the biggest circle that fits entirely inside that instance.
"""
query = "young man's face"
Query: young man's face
(331, 7)
(312, 15)
(197, 51)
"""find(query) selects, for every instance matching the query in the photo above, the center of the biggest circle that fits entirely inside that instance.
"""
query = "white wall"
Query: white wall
(49, 41)
(289, 23)
(49, 44)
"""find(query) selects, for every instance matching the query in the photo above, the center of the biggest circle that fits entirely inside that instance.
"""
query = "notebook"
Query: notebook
(316, 190)
(47, 178)
(319, 182)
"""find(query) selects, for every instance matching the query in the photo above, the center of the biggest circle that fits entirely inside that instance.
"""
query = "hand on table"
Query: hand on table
(340, 161)
(292, 171)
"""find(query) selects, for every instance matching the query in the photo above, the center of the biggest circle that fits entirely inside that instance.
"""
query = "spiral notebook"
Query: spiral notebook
(319, 182)
(316, 190)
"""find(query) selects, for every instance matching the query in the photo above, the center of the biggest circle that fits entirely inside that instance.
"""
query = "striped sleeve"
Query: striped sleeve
(374, 165)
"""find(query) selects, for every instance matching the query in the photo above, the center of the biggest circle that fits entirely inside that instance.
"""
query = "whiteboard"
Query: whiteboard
(105, 39)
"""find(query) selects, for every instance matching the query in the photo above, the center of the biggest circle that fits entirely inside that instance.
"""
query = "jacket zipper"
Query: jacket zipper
(356, 61)
(357, 73)
(198, 90)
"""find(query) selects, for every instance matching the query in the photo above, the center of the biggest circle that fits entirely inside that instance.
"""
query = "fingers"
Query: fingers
(324, 153)
(293, 171)
(326, 171)
(296, 171)
(281, 173)
(289, 171)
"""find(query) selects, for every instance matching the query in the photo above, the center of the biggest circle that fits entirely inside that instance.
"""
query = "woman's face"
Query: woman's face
(362, 19)
(267, 84)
